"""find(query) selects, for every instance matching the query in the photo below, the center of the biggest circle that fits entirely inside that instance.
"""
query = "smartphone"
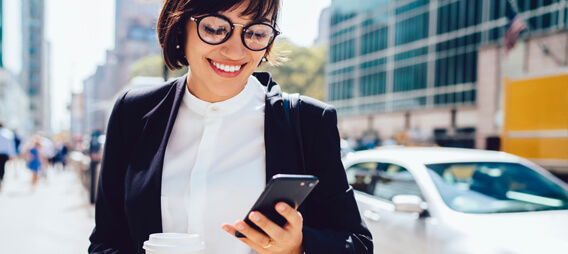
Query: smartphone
(291, 189)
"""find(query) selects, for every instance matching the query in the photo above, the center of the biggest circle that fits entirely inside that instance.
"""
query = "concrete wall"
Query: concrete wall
(539, 61)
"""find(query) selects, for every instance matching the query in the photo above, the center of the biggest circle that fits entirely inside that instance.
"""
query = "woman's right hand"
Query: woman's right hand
(285, 240)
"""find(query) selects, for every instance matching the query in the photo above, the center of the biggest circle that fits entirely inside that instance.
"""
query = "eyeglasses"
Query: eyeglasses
(215, 29)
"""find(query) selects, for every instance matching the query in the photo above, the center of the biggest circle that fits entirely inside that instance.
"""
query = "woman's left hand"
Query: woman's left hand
(287, 239)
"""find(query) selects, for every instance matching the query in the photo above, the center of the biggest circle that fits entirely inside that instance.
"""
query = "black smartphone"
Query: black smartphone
(291, 189)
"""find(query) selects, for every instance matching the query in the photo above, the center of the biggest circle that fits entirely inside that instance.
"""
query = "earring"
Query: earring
(177, 46)
(264, 59)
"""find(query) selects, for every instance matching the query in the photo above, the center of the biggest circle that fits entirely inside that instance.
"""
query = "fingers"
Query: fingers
(294, 218)
(269, 227)
(288, 237)
(254, 239)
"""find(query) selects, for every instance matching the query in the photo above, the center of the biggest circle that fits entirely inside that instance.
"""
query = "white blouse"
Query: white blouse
(214, 166)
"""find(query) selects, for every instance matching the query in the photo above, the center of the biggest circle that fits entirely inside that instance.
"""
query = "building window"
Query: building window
(454, 11)
(373, 84)
(410, 103)
(342, 51)
(495, 9)
(534, 4)
(548, 2)
(374, 41)
(469, 67)
(341, 90)
(478, 11)
(546, 21)
(411, 54)
(456, 69)
(412, 29)
(455, 98)
(440, 78)
(338, 17)
(496, 34)
(411, 6)
(410, 78)
(443, 12)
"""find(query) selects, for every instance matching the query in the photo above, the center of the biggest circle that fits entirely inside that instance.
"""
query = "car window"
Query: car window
(493, 187)
(383, 180)
(393, 179)
(361, 175)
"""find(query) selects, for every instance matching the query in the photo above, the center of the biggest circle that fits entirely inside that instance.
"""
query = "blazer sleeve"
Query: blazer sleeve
(111, 234)
(332, 223)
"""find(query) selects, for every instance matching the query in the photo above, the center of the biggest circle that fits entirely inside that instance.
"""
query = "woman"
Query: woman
(36, 159)
(193, 155)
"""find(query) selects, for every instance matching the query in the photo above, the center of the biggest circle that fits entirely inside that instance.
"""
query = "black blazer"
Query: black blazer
(128, 200)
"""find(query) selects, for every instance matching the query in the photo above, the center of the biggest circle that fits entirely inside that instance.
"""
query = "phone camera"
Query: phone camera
(311, 185)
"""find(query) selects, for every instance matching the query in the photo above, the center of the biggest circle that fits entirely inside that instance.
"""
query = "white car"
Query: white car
(450, 200)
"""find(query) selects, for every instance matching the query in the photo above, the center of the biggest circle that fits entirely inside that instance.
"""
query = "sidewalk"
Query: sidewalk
(55, 218)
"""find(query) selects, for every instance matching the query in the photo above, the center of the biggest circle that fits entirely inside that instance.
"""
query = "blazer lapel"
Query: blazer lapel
(280, 146)
(146, 167)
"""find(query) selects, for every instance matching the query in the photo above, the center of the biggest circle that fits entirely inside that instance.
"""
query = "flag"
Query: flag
(516, 26)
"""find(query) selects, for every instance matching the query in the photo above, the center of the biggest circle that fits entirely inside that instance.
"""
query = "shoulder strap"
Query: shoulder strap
(292, 113)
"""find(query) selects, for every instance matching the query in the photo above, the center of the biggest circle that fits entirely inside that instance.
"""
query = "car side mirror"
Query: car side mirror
(409, 204)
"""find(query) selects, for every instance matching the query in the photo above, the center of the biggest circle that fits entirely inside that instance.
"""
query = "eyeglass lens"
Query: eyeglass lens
(215, 30)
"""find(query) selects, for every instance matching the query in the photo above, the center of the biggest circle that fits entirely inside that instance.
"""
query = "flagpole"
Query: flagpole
(541, 44)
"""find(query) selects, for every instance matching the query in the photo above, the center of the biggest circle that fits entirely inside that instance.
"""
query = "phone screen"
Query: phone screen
(291, 189)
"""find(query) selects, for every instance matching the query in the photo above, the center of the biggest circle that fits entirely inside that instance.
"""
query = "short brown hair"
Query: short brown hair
(175, 15)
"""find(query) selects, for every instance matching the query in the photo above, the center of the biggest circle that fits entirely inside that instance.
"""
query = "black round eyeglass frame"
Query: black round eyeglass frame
(199, 19)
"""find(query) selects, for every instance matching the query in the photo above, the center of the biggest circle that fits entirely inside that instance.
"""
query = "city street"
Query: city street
(53, 218)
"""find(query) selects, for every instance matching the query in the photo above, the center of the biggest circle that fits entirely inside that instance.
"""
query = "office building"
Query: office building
(135, 37)
(14, 101)
(35, 73)
(433, 69)
(1, 33)
(323, 28)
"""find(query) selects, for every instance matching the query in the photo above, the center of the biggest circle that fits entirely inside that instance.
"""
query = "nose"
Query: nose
(233, 48)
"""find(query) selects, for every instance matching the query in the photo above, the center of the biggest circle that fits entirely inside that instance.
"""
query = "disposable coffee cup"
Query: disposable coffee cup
(174, 243)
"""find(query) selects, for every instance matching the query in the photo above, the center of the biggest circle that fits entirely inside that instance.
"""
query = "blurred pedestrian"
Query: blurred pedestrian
(17, 143)
(61, 150)
(95, 150)
(7, 149)
(47, 151)
(196, 153)
(36, 159)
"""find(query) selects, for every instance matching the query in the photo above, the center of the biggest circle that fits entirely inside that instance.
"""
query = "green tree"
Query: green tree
(153, 66)
(303, 71)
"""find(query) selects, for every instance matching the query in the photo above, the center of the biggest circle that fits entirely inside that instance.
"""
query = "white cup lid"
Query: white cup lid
(174, 242)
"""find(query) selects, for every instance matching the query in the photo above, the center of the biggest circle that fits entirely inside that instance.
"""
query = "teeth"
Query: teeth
(227, 68)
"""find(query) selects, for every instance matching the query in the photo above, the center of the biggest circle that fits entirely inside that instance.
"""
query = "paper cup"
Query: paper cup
(174, 243)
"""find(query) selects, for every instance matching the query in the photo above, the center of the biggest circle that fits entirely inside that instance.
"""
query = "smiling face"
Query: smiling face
(219, 72)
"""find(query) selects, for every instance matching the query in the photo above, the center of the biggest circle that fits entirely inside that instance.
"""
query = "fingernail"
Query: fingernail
(281, 207)
(226, 228)
(240, 226)
(254, 216)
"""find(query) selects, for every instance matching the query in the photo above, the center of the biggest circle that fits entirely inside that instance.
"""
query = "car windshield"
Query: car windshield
(493, 187)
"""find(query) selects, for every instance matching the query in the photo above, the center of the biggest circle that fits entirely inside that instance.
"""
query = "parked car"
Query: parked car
(345, 147)
(450, 200)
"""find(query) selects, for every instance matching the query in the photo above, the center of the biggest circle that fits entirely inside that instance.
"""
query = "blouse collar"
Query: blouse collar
(252, 89)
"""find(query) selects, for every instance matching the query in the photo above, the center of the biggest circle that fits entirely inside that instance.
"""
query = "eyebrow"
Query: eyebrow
(263, 20)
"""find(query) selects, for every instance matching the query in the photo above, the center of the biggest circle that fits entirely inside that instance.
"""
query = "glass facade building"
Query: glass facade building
(388, 56)
(35, 68)
(1, 32)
